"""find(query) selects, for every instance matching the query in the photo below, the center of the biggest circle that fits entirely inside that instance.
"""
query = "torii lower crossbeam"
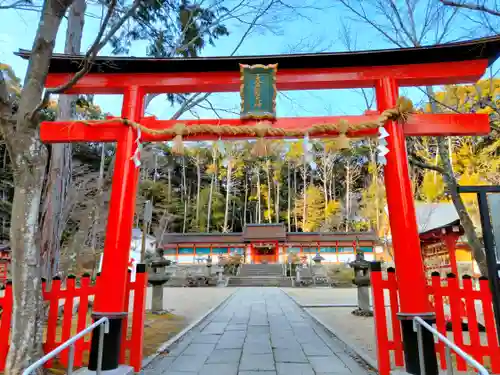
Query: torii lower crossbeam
(417, 125)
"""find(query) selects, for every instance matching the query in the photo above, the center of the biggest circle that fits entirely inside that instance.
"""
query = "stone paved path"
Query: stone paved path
(258, 331)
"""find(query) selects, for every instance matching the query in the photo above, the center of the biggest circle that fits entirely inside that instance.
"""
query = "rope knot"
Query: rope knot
(404, 107)
(343, 142)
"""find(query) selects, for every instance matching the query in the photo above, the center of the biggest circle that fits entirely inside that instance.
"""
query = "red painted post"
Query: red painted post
(438, 292)
(470, 303)
(69, 296)
(485, 296)
(456, 321)
(5, 320)
(125, 347)
(83, 292)
(138, 317)
(380, 319)
(412, 286)
(396, 327)
(118, 236)
(451, 243)
(53, 298)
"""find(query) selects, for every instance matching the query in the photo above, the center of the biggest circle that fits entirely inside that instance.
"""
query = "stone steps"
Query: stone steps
(259, 281)
(261, 270)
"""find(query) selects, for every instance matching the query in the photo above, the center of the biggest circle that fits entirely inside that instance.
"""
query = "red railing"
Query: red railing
(70, 324)
(468, 311)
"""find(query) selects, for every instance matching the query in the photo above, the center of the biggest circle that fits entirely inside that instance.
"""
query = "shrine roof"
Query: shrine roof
(290, 237)
(485, 48)
(431, 216)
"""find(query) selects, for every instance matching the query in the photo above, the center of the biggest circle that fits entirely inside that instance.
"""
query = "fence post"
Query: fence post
(138, 317)
(379, 317)
(392, 287)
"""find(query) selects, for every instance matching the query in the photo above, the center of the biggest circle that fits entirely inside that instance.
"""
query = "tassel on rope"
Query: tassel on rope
(178, 144)
(260, 148)
(342, 141)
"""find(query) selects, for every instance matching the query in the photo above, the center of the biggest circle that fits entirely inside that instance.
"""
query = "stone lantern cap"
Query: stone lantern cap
(318, 257)
(360, 263)
(160, 262)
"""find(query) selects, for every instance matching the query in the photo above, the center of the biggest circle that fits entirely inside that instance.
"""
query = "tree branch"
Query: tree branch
(417, 163)
(471, 6)
(97, 45)
(15, 4)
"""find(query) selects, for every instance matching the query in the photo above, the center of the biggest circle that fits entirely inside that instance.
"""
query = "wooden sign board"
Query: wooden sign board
(258, 91)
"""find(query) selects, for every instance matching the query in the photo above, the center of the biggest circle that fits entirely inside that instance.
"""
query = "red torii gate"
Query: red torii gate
(385, 70)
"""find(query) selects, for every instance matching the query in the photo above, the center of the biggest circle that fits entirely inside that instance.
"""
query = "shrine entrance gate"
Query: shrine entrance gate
(386, 71)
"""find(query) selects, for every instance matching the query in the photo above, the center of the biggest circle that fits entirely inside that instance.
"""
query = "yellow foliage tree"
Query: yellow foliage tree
(432, 188)
(315, 202)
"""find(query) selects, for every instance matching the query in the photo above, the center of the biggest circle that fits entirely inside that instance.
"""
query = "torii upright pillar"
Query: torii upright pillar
(413, 297)
(112, 304)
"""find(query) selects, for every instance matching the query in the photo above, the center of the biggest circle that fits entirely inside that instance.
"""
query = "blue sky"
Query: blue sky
(320, 32)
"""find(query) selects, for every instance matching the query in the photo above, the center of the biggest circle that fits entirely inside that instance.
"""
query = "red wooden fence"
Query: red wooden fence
(70, 324)
(466, 304)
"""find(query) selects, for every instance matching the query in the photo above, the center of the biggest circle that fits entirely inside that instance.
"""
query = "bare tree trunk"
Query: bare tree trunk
(29, 160)
(289, 199)
(27, 327)
(59, 179)
(268, 175)
(277, 202)
(183, 190)
(325, 193)
(225, 229)
(469, 228)
(246, 200)
(259, 210)
(169, 183)
(97, 211)
(304, 197)
(233, 214)
(347, 195)
(296, 220)
(452, 186)
(209, 209)
(198, 190)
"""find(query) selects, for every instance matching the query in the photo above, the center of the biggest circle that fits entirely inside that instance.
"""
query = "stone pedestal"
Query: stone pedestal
(157, 299)
(364, 298)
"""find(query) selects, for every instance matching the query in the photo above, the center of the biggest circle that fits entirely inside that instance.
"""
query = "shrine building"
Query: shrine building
(269, 243)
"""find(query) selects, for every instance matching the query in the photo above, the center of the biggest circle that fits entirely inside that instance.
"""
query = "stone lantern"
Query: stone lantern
(209, 266)
(318, 258)
(362, 281)
(157, 277)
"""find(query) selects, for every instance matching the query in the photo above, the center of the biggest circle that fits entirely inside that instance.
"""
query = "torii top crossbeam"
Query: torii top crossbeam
(385, 70)
(443, 64)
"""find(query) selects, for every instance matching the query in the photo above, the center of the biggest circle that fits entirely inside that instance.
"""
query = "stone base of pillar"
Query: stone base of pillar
(111, 342)
(410, 345)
